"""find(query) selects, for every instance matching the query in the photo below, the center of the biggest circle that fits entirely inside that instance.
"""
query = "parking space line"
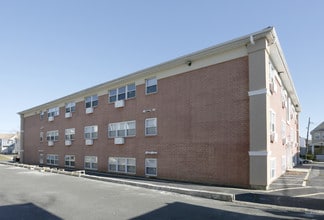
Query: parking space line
(313, 194)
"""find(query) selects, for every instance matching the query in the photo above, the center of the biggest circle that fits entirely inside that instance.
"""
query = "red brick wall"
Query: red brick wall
(203, 133)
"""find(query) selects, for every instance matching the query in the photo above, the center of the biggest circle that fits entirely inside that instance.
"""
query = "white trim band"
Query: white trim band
(259, 153)
(258, 92)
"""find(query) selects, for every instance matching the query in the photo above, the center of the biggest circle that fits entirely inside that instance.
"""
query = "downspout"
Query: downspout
(22, 134)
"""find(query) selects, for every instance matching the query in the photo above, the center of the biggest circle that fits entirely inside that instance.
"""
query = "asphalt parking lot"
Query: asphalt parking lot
(30, 194)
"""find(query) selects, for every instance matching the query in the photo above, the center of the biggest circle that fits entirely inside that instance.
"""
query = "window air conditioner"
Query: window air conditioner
(119, 140)
(51, 118)
(273, 137)
(119, 103)
(68, 114)
(68, 142)
(89, 110)
(89, 142)
(50, 143)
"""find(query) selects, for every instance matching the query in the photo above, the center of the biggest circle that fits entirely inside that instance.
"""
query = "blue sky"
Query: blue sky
(49, 49)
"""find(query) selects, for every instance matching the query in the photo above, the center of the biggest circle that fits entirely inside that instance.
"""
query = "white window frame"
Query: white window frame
(122, 129)
(52, 135)
(69, 134)
(116, 94)
(52, 159)
(69, 160)
(53, 112)
(283, 130)
(92, 131)
(41, 136)
(150, 83)
(92, 161)
(148, 121)
(283, 163)
(148, 164)
(273, 168)
(128, 165)
(272, 121)
(91, 101)
(70, 107)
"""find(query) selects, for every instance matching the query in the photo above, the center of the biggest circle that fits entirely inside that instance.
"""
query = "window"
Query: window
(150, 126)
(283, 131)
(69, 160)
(91, 162)
(288, 111)
(317, 136)
(70, 107)
(272, 168)
(283, 164)
(91, 132)
(69, 134)
(91, 101)
(52, 159)
(150, 167)
(52, 135)
(122, 129)
(272, 121)
(41, 115)
(122, 93)
(52, 112)
(122, 165)
(272, 76)
(151, 86)
(41, 136)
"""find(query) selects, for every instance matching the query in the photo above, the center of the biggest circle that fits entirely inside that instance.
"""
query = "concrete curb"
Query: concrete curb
(307, 176)
(197, 193)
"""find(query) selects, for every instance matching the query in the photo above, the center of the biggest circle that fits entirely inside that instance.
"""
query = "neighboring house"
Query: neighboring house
(317, 144)
(225, 115)
(302, 145)
(9, 143)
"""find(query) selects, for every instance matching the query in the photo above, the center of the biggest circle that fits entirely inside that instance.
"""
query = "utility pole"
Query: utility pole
(307, 137)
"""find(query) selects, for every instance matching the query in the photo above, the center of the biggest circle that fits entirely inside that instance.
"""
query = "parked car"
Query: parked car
(301, 161)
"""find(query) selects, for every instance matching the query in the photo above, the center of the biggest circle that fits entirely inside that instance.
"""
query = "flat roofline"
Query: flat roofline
(268, 33)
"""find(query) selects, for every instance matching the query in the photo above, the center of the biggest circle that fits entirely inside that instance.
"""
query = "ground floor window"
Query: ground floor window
(91, 162)
(52, 159)
(69, 160)
(272, 168)
(41, 158)
(150, 167)
(122, 165)
(283, 164)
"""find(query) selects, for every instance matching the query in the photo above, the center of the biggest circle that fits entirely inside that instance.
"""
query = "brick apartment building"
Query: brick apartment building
(225, 115)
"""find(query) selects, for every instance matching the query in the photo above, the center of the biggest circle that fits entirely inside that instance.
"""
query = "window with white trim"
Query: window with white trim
(122, 129)
(150, 167)
(151, 85)
(91, 101)
(69, 134)
(52, 112)
(91, 132)
(272, 168)
(283, 132)
(272, 121)
(70, 107)
(91, 162)
(52, 159)
(52, 135)
(41, 136)
(288, 111)
(122, 93)
(69, 160)
(150, 126)
(122, 165)
(272, 78)
(283, 164)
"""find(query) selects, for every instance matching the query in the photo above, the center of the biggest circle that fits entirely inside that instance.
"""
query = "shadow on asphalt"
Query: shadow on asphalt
(298, 202)
(27, 211)
(179, 210)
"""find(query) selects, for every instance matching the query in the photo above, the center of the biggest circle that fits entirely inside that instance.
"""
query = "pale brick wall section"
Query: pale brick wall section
(203, 133)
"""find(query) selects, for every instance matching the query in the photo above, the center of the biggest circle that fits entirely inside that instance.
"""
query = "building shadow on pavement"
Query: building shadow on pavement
(27, 211)
(178, 210)
(298, 202)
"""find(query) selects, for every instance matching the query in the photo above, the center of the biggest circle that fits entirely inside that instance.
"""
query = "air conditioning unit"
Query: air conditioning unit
(68, 142)
(68, 114)
(119, 103)
(50, 143)
(284, 104)
(273, 137)
(89, 110)
(51, 118)
(88, 142)
(119, 140)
